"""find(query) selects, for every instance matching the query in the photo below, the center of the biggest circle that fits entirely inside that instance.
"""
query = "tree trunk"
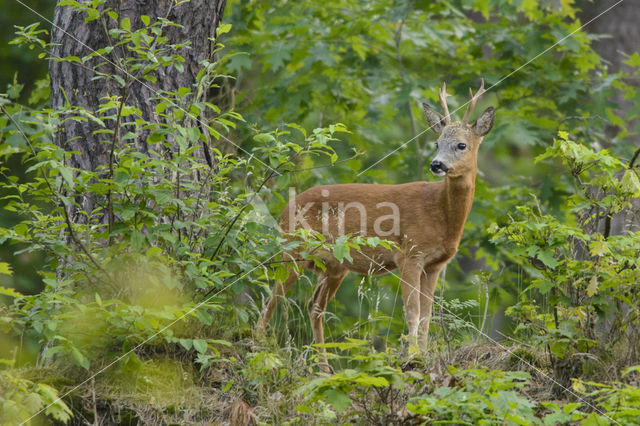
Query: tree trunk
(621, 23)
(77, 85)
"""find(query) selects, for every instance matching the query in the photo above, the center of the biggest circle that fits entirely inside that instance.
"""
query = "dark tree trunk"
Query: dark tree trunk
(621, 23)
(77, 85)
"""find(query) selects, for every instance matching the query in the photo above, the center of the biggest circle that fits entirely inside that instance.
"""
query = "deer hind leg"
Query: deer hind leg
(278, 294)
(428, 282)
(326, 288)
(410, 270)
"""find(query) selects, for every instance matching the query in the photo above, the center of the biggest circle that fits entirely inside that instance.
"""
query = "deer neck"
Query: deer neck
(458, 198)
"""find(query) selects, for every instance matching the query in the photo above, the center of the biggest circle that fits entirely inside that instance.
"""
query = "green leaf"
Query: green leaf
(544, 286)
(5, 268)
(79, 358)
(223, 29)
(340, 251)
(282, 273)
(633, 60)
(200, 345)
(337, 399)
(238, 62)
(615, 119)
(365, 380)
(186, 343)
(559, 348)
(303, 408)
(137, 240)
(264, 138)
(298, 128)
(145, 20)
(630, 183)
(51, 351)
(67, 174)
(119, 79)
(483, 7)
(283, 180)
(126, 24)
(155, 138)
(10, 292)
(635, 368)
(277, 56)
(592, 288)
(193, 134)
(547, 257)
(55, 407)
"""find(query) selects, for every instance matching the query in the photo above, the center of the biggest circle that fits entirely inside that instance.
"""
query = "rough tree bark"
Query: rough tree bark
(70, 82)
(620, 23)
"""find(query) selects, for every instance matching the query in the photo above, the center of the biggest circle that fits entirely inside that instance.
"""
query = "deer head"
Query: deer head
(458, 142)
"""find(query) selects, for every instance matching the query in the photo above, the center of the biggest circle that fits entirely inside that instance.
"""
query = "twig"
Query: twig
(445, 333)
(486, 306)
(344, 160)
(248, 203)
(608, 218)
(253, 196)
(114, 142)
(634, 158)
(96, 422)
(67, 220)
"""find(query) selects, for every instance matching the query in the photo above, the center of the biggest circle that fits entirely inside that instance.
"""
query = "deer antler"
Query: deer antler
(472, 101)
(443, 101)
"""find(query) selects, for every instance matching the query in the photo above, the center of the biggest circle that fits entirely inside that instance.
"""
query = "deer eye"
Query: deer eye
(462, 146)
(436, 145)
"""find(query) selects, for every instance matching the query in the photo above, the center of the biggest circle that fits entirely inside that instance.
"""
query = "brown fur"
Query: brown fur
(431, 220)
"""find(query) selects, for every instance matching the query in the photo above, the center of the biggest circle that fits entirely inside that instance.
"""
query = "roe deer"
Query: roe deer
(424, 219)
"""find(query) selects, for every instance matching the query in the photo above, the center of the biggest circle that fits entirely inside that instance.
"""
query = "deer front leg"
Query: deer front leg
(410, 270)
(428, 282)
(326, 288)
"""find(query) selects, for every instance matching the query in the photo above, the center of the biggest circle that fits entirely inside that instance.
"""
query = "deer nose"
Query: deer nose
(438, 166)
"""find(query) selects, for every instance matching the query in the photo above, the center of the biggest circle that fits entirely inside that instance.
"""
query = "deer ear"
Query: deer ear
(484, 123)
(435, 120)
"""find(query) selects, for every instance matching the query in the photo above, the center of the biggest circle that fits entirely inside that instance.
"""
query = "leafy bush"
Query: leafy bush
(21, 399)
(478, 396)
(177, 233)
(587, 275)
(374, 388)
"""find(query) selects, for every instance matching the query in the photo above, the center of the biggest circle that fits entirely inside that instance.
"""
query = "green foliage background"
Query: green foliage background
(322, 92)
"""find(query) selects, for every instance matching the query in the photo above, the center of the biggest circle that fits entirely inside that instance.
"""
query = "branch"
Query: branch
(114, 142)
(255, 194)
(608, 218)
(634, 158)
(57, 196)
(237, 216)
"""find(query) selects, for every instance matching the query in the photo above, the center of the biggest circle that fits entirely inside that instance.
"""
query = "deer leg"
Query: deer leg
(410, 271)
(326, 288)
(278, 294)
(428, 282)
